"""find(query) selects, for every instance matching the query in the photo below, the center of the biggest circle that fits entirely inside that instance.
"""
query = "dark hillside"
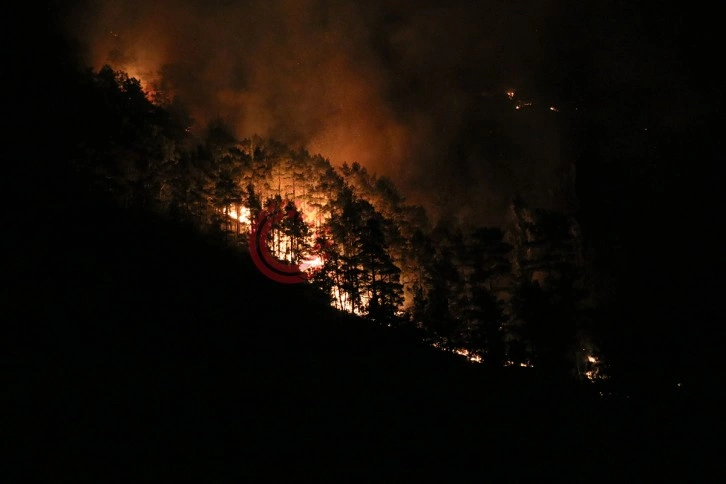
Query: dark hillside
(141, 347)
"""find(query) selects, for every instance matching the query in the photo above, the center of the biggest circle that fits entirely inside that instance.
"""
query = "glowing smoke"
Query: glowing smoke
(411, 90)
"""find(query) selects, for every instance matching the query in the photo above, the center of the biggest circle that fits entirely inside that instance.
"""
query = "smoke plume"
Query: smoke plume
(412, 90)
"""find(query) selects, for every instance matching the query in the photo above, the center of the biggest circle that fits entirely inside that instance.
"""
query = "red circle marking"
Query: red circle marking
(268, 264)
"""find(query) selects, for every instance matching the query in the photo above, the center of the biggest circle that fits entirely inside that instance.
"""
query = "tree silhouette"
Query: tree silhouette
(477, 288)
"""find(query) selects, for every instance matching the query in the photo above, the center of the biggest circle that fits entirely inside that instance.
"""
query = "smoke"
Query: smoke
(412, 90)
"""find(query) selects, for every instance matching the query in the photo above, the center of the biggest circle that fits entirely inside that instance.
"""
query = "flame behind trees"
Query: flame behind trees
(367, 249)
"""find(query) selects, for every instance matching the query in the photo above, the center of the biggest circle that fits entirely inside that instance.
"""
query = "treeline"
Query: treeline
(513, 295)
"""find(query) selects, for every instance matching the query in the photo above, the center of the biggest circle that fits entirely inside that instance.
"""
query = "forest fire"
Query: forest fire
(473, 357)
(355, 237)
(593, 369)
(427, 225)
(243, 215)
(312, 263)
(521, 364)
(470, 356)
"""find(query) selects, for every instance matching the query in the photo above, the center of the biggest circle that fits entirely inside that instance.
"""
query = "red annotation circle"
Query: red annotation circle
(268, 264)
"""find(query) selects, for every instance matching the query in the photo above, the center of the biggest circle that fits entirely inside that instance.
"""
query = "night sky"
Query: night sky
(417, 90)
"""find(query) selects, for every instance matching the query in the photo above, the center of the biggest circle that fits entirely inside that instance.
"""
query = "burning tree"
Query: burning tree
(477, 291)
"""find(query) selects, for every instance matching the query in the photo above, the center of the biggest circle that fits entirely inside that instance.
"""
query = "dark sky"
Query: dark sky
(417, 90)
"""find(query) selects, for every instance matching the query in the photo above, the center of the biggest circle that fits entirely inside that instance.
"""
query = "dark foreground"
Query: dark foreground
(140, 350)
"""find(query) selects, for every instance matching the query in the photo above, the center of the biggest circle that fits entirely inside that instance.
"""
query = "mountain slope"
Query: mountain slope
(141, 347)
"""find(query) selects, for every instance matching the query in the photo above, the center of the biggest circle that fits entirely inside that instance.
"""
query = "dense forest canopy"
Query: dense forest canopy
(511, 295)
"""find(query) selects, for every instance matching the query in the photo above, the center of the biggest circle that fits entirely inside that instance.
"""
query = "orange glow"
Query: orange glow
(147, 83)
(243, 216)
(313, 262)
(470, 356)
(341, 300)
(594, 369)
(473, 357)
(522, 364)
